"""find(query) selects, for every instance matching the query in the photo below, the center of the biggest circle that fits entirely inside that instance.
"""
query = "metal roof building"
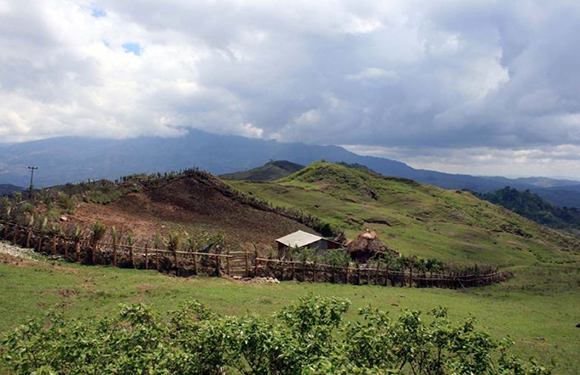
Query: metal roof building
(301, 239)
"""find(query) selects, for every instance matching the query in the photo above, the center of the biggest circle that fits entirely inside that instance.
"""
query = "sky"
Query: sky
(478, 87)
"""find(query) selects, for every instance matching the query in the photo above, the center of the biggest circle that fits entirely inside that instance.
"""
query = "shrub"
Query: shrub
(66, 202)
(307, 337)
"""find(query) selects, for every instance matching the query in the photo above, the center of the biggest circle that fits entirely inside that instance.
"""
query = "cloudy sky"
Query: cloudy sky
(480, 87)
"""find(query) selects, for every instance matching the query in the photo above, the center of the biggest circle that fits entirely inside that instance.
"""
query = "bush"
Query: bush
(306, 337)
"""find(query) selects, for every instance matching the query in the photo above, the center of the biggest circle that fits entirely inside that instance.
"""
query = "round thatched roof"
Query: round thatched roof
(369, 243)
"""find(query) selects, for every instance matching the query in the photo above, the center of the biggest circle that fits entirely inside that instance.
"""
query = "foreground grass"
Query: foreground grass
(541, 318)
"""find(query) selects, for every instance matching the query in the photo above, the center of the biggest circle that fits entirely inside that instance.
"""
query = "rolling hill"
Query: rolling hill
(272, 170)
(416, 219)
(537, 307)
(219, 154)
(195, 202)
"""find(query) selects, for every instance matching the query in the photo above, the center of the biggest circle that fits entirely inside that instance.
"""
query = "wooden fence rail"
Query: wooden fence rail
(84, 249)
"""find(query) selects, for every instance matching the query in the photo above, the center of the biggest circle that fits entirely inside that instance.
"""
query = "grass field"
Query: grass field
(416, 219)
(540, 318)
(539, 308)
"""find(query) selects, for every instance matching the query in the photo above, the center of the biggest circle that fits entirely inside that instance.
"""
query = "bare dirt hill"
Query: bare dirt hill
(189, 204)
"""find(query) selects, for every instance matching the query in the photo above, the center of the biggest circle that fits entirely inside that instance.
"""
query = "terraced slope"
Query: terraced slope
(416, 219)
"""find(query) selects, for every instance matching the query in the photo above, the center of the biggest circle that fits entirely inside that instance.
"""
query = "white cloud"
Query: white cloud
(422, 75)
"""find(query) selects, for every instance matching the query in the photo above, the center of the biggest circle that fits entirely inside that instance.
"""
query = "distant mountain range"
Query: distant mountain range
(8, 188)
(73, 159)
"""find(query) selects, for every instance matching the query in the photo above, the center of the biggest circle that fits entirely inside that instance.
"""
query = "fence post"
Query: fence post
(358, 273)
(114, 252)
(157, 259)
(28, 236)
(246, 260)
(410, 276)
(293, 268)
(217, 262)
(195, 264)
(176, 262)
(53, 250)
(387, 275)
(131, 256)
(146, 255)
(14, 234)
(40, 242)
(315, 272)
(377, 274)
(78, 249)
(228, 262)
(346, 279)
(256, 263)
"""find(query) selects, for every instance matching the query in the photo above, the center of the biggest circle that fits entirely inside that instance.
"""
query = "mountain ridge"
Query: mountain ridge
(96, 158)
(272, 170)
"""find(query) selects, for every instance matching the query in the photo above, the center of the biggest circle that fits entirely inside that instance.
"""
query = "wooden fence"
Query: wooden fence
(84, 249)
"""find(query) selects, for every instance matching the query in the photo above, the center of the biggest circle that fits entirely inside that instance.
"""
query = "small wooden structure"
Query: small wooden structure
(304, 240)
(367, 246)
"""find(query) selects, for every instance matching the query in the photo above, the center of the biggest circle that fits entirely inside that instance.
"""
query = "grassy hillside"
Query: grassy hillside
(416, 219)
(538, 307)
(541, 325)
(273, 170)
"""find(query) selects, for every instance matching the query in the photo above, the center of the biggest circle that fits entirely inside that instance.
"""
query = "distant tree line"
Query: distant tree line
(534, 207)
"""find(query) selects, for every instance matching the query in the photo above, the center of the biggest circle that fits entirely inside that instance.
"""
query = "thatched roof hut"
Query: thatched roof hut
(368, 246)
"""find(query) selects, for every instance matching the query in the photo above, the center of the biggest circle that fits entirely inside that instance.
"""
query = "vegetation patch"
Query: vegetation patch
(308, 336)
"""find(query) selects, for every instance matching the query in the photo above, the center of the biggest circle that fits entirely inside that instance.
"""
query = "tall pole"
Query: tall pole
(31, 179)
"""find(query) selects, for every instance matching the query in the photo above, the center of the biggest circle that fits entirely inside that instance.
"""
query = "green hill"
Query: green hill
(416, 219)
(535, 208)
(273, 170)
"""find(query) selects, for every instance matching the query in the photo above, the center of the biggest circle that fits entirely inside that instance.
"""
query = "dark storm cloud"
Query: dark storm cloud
(497, 77)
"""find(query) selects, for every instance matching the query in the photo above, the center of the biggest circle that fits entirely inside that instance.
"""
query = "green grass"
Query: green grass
(423, 220)
(539, 308)
(540, 318)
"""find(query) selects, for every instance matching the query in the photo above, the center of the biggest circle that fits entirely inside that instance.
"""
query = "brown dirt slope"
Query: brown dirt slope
(188, 204)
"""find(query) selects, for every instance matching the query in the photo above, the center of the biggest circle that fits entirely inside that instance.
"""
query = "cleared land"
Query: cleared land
(187, 204)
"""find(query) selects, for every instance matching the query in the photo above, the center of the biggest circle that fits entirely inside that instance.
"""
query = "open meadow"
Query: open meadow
(538, 309)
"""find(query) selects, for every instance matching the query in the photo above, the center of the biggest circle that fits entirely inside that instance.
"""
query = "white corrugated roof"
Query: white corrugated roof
(299, 239)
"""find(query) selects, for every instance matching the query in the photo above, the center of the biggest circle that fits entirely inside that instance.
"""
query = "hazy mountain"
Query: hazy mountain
(8, 188)
(72, 159)
(273, 170)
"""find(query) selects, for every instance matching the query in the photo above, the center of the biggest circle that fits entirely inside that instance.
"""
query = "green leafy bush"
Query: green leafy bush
(307, 337)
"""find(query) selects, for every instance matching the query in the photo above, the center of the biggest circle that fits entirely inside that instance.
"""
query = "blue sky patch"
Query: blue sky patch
(98, 13)
(134, 48)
